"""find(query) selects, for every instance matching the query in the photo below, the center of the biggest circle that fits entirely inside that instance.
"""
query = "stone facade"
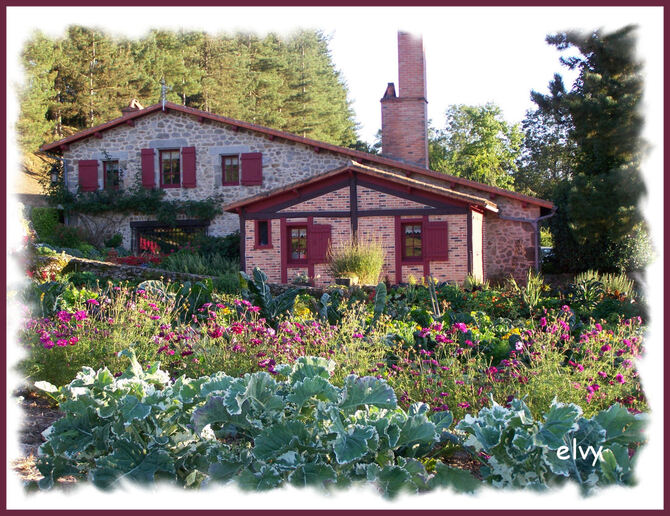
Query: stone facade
(284, 162)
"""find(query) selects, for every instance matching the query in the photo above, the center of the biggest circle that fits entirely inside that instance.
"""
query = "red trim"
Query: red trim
(257, 245)
(298, 194)
(398, 250)
(417, 259)
(88, 175)
(98, 135)
(160, 169)
(388, 184)
(424, 247)
(236, 124)
(104, 175)
(188, 167)
(283, 250)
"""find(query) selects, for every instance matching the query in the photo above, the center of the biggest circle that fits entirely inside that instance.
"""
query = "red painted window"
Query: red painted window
(263, 234)
(88, 175)
(111, 175)
(252, 169)
(148, 179)
(297, 244)
(188, 167)
(412, 249)
(230, 168)
(170, 169)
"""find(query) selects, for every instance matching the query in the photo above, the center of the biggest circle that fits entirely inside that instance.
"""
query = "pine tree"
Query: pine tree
(599, 202)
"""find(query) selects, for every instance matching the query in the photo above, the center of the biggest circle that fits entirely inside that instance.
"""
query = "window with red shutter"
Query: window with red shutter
(188, 167)
(170, 168)
(252, 169)
(436, 241)
(412, 241)
(296, 245)
(148, 180)
(88, 175)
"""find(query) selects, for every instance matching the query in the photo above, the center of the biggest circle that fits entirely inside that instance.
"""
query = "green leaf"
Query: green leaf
(316, 387)
(131, 408)
(224, 470)
(130, 460)
(261, 388)
(366, 390)
(393, 479)
(621, 426)
(215, 383)
(560, 420)
(352, 444)
(458, 479)
(46, 387)
(442, 421)
(267, 478)
(213, 411)
(416, 430)
(311, 367)
(313, 475)
(280, 438)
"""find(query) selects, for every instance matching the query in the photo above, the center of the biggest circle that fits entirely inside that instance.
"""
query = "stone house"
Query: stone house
(276, 186)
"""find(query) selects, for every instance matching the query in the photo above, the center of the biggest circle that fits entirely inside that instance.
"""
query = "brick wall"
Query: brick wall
(333, 201)
(404, 118)
(369, 199)
(269, 260)
(456, 267)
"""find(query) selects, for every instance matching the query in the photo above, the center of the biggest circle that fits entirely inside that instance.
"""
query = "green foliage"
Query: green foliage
(114, 241)
(357, 259)
(257, 291)
(473, 283)
(598, 202)
(195, 263)
(531, 293)
(82, 79)
(478, 144)
(537, 454)
(44, 221)
(255, 430)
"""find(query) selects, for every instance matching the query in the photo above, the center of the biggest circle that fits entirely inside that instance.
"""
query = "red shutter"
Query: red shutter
(88, 175)
(188, 167)
(148, 168)
(252, 169)
(318, 241)
(436, 241)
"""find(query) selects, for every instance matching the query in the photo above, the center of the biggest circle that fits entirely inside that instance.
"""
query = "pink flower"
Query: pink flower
(602, 374)
(606, 347)
(48, 344)
(93, 302)
(73, 341)
(599, 327)
(461, 326)
(80, 315)
(620, 378)
(61, 342)
(464, 404)
(543, 321)
(64, 316)
(357, 335)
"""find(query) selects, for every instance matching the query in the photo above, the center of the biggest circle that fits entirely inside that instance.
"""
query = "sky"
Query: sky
(473, 55)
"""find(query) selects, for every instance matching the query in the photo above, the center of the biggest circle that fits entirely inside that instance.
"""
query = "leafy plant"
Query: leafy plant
(361, 260)
(254, 430)
(258, 292)
(114, 241)
(44, 221)
(523, 452)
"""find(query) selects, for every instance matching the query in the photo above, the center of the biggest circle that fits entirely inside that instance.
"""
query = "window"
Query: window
(263, 237)
(170, 169)
(411, 241)
(230, 167)
(111, 176)
(297, 236)
(154, 237)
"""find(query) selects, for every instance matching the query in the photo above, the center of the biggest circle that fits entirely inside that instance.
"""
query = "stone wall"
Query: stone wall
(284, 162)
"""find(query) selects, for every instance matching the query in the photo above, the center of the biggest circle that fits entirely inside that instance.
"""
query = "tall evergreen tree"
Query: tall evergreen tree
(600, 202)
(37, 94)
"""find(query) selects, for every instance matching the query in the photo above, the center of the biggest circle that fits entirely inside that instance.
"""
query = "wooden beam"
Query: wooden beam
(131, 123)
(64, 147)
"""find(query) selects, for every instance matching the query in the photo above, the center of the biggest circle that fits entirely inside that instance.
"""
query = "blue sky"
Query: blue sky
(474, 55)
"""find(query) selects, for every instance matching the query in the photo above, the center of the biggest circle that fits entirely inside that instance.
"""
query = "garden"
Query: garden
(409, 388)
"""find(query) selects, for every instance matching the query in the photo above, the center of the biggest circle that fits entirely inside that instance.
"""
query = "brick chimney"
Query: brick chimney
(404, 117)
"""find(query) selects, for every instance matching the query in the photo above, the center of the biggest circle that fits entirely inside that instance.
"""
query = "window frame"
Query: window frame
(161, 171)
(257, 243)
(105, 186)
(289, 244)
(403, 243)
(223, 170)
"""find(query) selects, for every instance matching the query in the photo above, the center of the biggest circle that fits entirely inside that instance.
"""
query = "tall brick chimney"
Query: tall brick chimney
(404, 117)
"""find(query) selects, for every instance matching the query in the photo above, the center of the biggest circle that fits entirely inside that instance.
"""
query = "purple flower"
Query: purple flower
(61, 342)
(602, 374)
(357, 335)
(80, 315)
(464, 404)
(543, 322)
(93, 302)
(606, 347)
(461, 326)
(64, 316)
(620, 378)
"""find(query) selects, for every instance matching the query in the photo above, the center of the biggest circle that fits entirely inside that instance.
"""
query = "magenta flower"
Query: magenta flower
(93, 302)
(73, 341)
(461, 327)
(599, 327)
(64, 316)
(357, 335)
(48, 344)
(606, 347)
(543, 322)
(80, 315)
(61, 342)
(464, 404)
(602, 374)
(619, 378)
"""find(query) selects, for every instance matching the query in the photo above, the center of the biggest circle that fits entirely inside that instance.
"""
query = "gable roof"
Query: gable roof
(352, 166)
(362, 157)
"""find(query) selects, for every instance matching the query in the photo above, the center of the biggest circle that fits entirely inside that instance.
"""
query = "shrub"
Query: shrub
(227, 246)
(44, 221)
(115, 241)
(357, 259)
(472, 282)
(196, 263)
(66, 236)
